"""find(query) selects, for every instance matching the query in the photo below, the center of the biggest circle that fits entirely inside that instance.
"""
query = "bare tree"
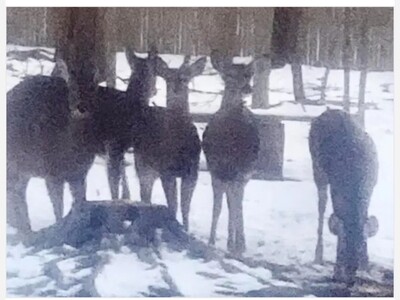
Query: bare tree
(296, 38)
(364, 42)
(263, 22)
(346, 57)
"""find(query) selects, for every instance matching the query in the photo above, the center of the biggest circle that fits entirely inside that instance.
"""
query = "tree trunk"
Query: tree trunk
(346, 58)
(297, 38)
(261, 83)
(109, 40)
(263, 22)
(298, 88)
(223, 36)
(324, 85)
(364, 42)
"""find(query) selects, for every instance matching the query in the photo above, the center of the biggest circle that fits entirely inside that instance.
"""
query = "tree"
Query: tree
(364, 49)
(263, 22)
(297, 38)
(223, 34)
(346, 57)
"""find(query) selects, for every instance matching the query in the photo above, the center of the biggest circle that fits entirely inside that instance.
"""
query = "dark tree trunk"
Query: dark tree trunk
(261, 83)
(297, 36)
(263, 22)
(346, 58)
(298, 88)
(363, 52)
(324, 84)
(223, 36)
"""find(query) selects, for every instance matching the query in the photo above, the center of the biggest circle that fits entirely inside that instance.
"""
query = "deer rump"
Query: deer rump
(346, 157)
(38, 118)
(235, 143)
(169, 141)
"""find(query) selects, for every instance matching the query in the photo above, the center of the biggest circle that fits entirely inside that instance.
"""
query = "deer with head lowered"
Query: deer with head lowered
(231, 143)
(344, 157)
(166, 144)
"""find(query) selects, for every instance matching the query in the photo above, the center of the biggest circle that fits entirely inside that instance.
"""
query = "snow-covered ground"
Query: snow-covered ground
(280, 216)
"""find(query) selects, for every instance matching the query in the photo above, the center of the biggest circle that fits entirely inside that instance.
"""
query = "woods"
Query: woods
(189, 31)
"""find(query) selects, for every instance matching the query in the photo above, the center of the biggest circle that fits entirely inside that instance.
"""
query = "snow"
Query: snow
(280, 216)
(130, 277)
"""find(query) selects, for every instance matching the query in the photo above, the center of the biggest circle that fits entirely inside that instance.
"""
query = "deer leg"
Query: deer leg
(55, 188)
(218, 191)
(17, 207)
(232, 208)
(169, 186)
(77, 187)
(125, 188)
(187, 188)
(146, 176)
(114, 168)
(321, 181)
(237, 197)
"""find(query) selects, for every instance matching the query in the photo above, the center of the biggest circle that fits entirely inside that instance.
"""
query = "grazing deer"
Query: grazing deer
(44, 140)
(231, 143)
(344, 157)
(166, 143)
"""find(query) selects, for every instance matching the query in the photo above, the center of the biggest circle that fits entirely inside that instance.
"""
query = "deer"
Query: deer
(344, 158)
(44, 139)
(166, 143)
(55, 136)
(231, 144)
(111, 115)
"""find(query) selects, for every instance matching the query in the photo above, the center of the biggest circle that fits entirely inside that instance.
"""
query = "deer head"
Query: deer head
(177, 80)
(143, 73)
(235, 76)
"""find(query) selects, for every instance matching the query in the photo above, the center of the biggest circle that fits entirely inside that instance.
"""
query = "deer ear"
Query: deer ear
(371, 226)
(198, 67)
(335, 225)
(162, 68)
(217, 60)
(250, 68)
(130, 57)
(153, 52)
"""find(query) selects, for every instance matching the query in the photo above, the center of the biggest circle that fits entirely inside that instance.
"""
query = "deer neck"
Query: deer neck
(232, 98)
(178, 100)
(137, 93)
(179, 104)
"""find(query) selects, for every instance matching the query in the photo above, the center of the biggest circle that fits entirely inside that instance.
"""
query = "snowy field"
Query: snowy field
(280, 216)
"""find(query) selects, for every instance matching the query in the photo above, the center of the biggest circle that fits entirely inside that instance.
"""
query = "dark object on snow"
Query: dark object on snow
(90, 221)
(231, 145)
(344, 157)
(44, 140)
(166, 143)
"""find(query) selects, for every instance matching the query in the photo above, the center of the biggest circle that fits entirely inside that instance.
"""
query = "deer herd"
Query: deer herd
(50, 136)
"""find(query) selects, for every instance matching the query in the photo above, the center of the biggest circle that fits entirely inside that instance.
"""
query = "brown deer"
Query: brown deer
(166, 143)
(344, 157)
(231, 144)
